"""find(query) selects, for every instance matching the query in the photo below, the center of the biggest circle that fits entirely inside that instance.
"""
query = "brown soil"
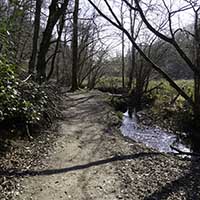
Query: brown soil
(89, 159)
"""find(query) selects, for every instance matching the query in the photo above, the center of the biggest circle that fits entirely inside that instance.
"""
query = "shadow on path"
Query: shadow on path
(188, 185)
(17, 173)
(81, 100)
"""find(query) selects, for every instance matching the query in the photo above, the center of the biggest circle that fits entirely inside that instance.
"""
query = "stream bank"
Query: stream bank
(90, 159)
(161, 130)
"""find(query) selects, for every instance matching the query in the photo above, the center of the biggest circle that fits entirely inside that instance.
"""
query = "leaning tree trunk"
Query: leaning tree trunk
(60, 30)
(54, 14)
(44, 46)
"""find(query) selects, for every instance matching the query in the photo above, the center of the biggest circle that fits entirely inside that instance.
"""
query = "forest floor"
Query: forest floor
(86, 157)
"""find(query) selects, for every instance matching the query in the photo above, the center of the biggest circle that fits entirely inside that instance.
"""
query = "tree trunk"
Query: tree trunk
(196, 96)
(54, 14)
(123, 46)
(123, 62)
(132, 28)
(60, 29)
(57, 70)
(35, 36)
(75, 47)
(196, 108)
(132, 67)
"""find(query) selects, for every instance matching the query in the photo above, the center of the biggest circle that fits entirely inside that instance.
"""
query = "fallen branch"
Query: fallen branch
(183, 152)
(118, 96)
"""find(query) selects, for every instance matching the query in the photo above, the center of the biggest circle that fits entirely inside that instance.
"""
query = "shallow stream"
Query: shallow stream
(153, 137)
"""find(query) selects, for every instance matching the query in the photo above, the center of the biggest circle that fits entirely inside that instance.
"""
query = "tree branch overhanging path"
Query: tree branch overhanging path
(118, 25)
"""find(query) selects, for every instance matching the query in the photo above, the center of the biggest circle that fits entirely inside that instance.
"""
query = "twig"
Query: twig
(174, 99)
(154, 88)
(26, 79)
(28, 132)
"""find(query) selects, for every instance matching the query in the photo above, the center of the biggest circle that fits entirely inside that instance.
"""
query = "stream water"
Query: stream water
(153, 137)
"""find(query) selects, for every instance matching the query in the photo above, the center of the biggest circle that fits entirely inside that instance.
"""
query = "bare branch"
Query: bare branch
(167, 39)
(154, 66)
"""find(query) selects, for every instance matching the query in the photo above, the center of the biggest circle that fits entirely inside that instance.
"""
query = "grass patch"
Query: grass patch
(170, 109)
(166, 94)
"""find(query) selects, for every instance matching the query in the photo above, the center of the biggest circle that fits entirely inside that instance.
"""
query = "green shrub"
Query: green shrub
(20, 102)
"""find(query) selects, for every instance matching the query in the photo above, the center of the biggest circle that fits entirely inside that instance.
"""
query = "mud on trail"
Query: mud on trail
(91, 160)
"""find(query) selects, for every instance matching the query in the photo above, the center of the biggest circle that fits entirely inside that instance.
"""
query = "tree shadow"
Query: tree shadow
(81, 100)
(18, 173)
(188, 185)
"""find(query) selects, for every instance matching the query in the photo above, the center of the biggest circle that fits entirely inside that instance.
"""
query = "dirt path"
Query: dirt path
(90, 160)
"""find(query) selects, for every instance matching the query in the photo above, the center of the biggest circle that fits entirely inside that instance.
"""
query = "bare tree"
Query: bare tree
(123, 47)
(59, 31)
(194, 66)
(96, 69)
(75, 47)
(133, 51)
(117, 24)
(35, 37)
(91, 50)
(55, 11)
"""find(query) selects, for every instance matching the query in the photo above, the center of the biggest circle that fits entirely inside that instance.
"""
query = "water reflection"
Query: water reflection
(153, 137)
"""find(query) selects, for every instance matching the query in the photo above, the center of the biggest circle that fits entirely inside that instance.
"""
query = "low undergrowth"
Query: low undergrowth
(26, 110)
(24, 105)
